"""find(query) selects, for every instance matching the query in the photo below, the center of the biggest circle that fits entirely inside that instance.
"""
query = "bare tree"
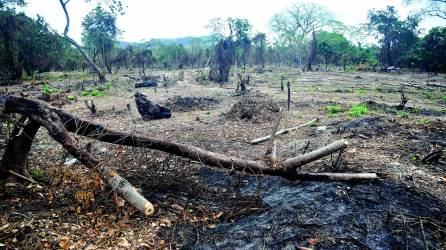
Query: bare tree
(435, 8)
(293, 26)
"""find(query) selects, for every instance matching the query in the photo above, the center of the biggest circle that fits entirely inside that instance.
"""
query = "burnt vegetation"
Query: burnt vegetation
(304, 136)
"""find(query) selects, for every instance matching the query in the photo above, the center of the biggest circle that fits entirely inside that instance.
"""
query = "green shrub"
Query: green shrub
(424, 121)
(361, 91)
(403, 114)
(108, 85)
(92, 92)
(333, 109)
(36, 172)
(71, 97)
(428, 95)
(358, 110)
(96, 92)
(46, 89)
(443, 98)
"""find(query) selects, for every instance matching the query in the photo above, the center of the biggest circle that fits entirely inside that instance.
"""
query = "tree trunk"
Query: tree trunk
(78, 47)
(17, 149)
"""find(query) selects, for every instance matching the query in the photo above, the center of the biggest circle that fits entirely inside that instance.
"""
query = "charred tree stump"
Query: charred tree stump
(289, 95)
(16, 153)
(282, 78)
(224, 56)
(90, 105)
(150, 110)
(404, 99)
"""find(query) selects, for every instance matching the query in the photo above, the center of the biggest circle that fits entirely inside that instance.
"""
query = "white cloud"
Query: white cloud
(176, 18)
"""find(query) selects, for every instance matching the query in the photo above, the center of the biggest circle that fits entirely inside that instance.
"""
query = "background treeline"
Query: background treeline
(29, 46)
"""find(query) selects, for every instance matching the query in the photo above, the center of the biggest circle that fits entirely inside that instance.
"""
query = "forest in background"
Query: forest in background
(305, 35)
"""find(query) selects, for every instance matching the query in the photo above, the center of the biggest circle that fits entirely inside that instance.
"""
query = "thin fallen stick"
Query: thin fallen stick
(22, 177)
(283, 131)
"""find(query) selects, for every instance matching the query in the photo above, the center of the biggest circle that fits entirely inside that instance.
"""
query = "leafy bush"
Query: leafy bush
(334, 109)
(92, 92)
(48, 90)
(71, 97)
(362, 91)
(424, 121)
(428, 95)
(358, 110)
(36, 172)
(96, 92)
(403, 114)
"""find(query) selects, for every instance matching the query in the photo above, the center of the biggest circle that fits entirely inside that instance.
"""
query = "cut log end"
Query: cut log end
(148, 209)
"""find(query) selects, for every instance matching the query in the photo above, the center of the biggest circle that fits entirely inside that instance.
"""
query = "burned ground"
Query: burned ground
(201, 207)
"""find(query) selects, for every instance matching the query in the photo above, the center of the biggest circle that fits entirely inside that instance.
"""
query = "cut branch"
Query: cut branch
(283, 131)
(42, 114)
(60, 121)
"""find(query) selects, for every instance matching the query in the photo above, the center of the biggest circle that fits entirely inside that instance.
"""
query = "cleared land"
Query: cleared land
(198, 206)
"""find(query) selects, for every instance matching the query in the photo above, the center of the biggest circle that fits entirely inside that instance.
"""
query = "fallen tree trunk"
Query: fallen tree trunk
(283, 131)
(42, 114)
(58, 122)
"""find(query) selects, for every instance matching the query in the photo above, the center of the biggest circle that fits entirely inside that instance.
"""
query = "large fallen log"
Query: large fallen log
(283, 131)
(58, 122)
(40, 113)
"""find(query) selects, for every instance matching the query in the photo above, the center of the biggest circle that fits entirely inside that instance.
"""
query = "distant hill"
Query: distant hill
(165, 41)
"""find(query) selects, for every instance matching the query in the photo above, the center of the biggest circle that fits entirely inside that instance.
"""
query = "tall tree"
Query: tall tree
(259, 42)
(433, 50)
(100, 34)
(241, 28)
(115, 7)
(396, 36)
(294, 26)
(313, 52)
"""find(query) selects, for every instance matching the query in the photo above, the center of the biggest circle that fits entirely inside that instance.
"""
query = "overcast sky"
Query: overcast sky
(146, 19)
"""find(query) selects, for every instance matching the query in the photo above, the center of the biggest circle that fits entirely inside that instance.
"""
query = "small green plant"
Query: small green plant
(108, 85)
(71, 97)
(36, 172)
(424, 121)
(415, 158)
(96, 92)
(443, 98)
(417, 109)
(333, 109)
(403, 114)
(208, 112)
(47, 89)
(92, 92)
(358, 110)
(361, 91)
(428, 95)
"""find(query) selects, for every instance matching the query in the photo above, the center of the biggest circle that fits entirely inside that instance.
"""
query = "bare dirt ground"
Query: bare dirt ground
(204, 208)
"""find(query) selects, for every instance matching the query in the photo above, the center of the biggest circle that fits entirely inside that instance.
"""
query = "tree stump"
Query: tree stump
(150, 110)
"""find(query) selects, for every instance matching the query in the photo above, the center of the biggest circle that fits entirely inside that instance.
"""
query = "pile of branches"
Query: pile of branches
(254, 106)
(187, 103)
